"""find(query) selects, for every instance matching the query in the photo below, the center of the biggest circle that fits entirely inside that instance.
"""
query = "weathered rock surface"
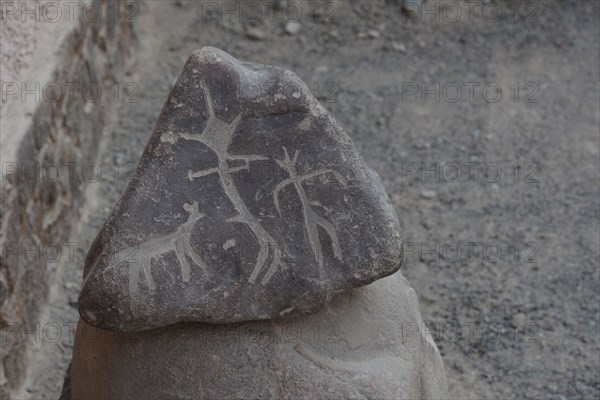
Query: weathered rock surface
(250, 202)
(367, 343)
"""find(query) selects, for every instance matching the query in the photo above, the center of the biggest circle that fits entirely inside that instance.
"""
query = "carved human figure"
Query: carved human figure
(312, 220)
(217, 135)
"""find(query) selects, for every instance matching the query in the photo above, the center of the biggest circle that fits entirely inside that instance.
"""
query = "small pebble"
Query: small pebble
(428, 194)
(255, 33)
(373, 34)
(427, 224)
(395, 199)
(411, 7)
(520, 318)
(292, 27)
(399, 47)
(73, 300)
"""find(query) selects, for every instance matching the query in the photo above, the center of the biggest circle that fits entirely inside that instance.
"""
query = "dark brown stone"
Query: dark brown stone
(250, 202)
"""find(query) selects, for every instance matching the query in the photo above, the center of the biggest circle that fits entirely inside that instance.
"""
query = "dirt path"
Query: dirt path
(506, 268)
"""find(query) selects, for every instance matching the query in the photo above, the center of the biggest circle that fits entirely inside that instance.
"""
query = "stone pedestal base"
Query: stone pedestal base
(368, 343)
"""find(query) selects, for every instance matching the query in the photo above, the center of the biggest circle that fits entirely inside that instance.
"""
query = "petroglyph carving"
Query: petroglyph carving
(217, 135)
(312, 220)
(307, 220)
(140, 257)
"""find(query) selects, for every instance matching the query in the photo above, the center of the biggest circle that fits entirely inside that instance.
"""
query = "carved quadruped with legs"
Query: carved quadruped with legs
(178, 241)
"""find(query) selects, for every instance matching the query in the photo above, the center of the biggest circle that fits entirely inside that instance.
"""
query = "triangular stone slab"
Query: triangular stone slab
(249, 202)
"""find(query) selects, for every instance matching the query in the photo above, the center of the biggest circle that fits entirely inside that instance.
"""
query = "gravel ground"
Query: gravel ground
(506, 267)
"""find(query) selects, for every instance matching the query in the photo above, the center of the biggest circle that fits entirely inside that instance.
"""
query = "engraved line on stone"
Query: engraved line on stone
(372, 362)
(178, 241)
(218, 135)
(312, 220)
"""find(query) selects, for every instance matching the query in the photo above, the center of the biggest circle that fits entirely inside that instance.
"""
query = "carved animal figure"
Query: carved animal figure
(140, 257)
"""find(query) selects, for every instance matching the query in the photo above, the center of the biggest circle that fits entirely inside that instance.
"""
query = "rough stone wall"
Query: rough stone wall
(39, 137)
